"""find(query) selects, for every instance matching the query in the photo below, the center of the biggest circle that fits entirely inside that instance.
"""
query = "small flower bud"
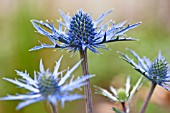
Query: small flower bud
(121, 95)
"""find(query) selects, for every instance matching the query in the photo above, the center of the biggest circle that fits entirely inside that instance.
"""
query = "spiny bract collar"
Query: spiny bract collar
(80, 32)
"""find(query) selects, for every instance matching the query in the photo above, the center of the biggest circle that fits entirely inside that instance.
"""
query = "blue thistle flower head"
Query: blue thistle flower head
(51, 86)
(156, 71)
(81, 32)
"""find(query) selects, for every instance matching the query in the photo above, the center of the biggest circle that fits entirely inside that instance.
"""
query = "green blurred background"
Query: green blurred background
(17, 36)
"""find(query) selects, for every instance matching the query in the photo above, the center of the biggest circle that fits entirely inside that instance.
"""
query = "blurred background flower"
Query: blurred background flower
(17, 36)
(50, 86)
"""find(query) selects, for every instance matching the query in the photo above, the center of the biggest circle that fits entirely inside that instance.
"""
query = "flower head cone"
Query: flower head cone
(121, 94)
(80, 32)
(156, 71)
(50, 86)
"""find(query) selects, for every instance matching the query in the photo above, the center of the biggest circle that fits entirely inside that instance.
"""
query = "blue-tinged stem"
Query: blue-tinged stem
(145, 104)
(87, 88)
(53, 108)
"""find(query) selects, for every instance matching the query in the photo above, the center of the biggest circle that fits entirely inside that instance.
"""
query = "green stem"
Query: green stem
(53, 108)
(87, 88)
(148, 98)
(123, 106)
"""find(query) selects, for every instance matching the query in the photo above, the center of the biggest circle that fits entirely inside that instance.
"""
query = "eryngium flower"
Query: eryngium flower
(81, 31)
(50, 86)
(121, 94)
(156, 71)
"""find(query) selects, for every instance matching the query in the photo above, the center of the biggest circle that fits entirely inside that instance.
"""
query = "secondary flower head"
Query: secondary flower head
(156, 71)
(80, 32)
(50, 86)
(121, 94)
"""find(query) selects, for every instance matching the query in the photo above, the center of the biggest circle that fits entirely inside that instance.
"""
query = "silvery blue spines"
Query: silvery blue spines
(121, 94)
(80, 32)
(50, 86)
(156, 71)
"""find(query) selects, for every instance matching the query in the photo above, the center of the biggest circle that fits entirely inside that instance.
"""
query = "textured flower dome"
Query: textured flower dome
(158, 69)
(81, 29)
(48, 84)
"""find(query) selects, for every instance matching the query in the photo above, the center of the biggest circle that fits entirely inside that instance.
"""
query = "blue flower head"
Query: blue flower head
(156, 71)
(50, 86)
(80, 32)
